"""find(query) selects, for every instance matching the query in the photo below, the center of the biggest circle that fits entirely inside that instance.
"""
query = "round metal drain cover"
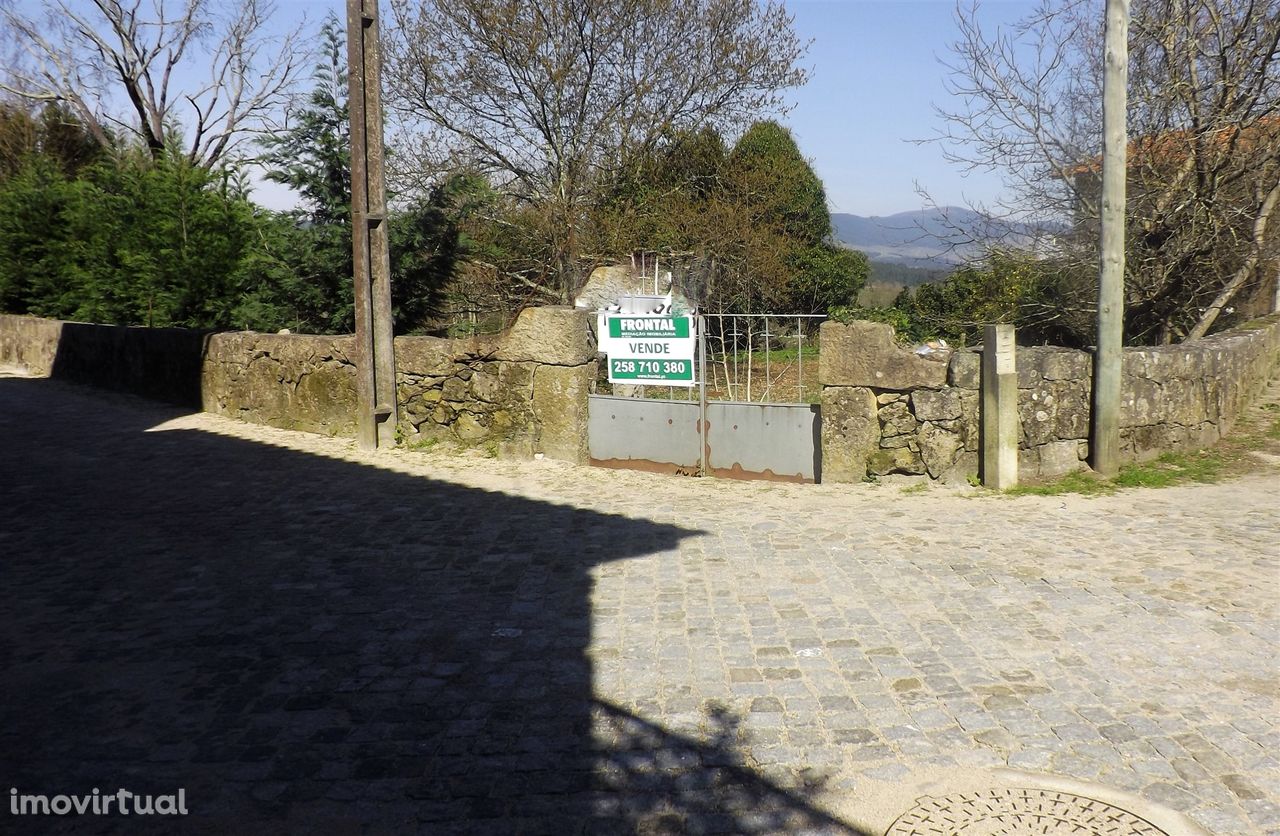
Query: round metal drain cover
(1014, 812)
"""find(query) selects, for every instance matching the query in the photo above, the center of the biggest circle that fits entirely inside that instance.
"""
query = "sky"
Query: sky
(875, 78)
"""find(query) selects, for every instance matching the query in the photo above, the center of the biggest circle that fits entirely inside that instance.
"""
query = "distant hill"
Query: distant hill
(913, 239)
(903, 275)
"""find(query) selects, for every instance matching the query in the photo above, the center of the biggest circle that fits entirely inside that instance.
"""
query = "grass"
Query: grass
(1164, 472)
(919, 488)
(786, 354)
(1082, 483)
(1272, 432)
(1174, 469)
(424, 443)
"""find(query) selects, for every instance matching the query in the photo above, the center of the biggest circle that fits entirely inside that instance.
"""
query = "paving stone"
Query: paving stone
(462, 644)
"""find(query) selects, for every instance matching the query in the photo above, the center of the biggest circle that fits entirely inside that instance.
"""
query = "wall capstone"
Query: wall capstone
(866, 354)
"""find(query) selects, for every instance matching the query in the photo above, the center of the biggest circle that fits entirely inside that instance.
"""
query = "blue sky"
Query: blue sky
(875, 78)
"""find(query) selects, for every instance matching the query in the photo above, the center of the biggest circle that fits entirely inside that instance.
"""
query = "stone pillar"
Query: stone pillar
(559, 342)
(850, 432)
(999, 408)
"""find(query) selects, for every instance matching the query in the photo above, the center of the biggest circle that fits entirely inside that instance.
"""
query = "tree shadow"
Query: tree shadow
(309, 644)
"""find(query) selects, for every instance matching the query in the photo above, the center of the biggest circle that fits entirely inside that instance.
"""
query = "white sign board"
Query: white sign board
(649, 349)
(1004, 348)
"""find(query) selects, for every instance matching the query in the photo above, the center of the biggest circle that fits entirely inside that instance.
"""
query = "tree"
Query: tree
(547, 97)
(790, 255)
(51, 131)
(312, 153)
(307, 271)
(1009, 286)
(1204, 164)
(130, 241)
(92, 56)
(306, 268)
(32, 198)
(753, 217)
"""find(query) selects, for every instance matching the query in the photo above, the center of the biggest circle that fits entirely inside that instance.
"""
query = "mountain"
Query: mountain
(915, 239)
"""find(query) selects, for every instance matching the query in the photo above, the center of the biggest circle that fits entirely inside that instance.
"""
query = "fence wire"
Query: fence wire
(763, 358)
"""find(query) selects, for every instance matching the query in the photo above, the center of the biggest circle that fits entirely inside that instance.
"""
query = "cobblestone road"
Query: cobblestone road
(304, 636)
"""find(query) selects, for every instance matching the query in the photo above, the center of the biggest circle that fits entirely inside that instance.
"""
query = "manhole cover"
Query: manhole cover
(1014, 812)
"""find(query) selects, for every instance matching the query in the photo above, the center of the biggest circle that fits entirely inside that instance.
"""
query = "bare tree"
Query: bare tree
(1204, 159)
(544, 96)
(127, 67)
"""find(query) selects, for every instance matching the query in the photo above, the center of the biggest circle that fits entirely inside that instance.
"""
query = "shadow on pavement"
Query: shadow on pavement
(312, 645)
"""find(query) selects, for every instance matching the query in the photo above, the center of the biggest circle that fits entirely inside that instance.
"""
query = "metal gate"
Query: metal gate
(761, 420)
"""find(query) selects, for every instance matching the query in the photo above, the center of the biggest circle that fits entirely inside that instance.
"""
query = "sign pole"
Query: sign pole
(702, 395)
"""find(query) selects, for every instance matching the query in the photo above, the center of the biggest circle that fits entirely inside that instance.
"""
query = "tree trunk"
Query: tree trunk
(1246, 270)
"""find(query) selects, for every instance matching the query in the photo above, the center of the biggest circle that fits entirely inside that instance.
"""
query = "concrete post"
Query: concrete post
(1107, 363)
(999, 408)
(376, 416)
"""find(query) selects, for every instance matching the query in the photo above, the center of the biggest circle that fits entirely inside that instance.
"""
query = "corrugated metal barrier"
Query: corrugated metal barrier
(744, 440)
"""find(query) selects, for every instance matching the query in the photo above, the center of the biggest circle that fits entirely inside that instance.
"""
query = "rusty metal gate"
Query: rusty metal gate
(743, 359)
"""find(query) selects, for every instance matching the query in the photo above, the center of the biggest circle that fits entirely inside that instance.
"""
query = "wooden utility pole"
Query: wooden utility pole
(1108, 361)
(375, 351)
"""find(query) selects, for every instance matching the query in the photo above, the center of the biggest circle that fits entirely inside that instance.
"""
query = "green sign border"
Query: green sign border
(680, 330)
(649, 376)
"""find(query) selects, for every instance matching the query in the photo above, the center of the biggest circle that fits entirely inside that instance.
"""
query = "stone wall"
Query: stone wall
(888, 410)
(293, 381)
(524, 392)
(29, 343)
(521, 392)
(159, 363)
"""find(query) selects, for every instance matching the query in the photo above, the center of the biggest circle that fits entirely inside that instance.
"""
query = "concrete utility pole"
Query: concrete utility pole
(375, 351)
(1107, 362)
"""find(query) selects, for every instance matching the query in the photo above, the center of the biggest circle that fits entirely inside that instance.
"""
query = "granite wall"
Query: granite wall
(885, 409)
(521, 392)
(159, 363)
(889, 410)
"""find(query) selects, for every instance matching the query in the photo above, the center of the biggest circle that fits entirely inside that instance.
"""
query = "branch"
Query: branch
(1246, 269)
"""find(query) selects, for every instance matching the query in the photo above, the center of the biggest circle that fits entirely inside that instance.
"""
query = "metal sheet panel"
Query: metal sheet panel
(764, 441)
(745, 440)
(644, 434)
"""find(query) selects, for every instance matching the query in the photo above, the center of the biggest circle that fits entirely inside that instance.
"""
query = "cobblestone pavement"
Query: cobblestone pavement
(306, 637)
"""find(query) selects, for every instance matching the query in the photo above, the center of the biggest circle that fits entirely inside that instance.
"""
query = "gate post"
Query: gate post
(999, 408)
(702, 395)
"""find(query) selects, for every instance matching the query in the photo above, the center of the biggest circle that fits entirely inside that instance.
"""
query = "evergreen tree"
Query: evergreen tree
(792, 263)
(754, 216)
(305, 274)
(313, 157)
(132, 241)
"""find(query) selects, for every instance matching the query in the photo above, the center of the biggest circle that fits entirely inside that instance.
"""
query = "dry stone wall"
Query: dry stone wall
(29, 343)
(888, 410)
(159, 363)
(292, 381)
(524, 392)
(521, 392)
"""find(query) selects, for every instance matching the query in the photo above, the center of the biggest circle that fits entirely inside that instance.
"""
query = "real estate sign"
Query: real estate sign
(649, 349)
